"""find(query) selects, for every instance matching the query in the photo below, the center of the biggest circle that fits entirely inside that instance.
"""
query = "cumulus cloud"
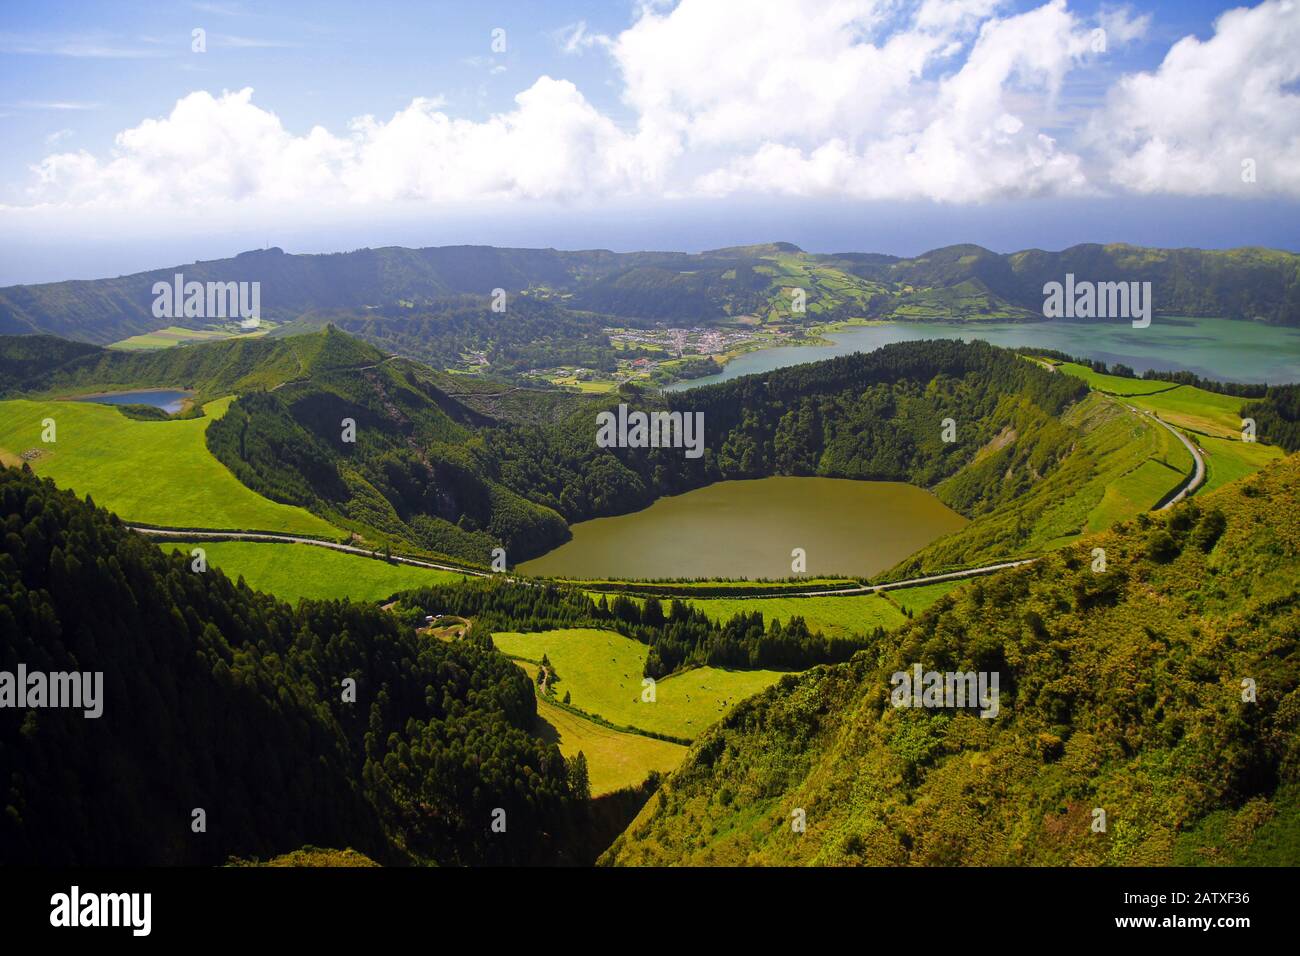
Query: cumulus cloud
(946, 100)
(554, 144)
(957, 138)
(1189, 126)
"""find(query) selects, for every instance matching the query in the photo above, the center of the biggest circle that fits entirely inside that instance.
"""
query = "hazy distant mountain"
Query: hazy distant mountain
(958, 282)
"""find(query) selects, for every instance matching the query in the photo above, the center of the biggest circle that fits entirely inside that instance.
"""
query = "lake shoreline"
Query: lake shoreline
(183, 401)
(750, 528)
(1158, 348)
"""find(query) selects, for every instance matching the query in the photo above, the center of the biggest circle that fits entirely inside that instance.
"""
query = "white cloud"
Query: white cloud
(948, 100)
(552, 145)
(1188, 126)
(74, 46)
(1122, 26)
(57, 105)
(835, 112)
(576, 38)
(252, 43)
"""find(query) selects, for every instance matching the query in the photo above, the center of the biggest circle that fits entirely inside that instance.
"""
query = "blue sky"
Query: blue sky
(878, 125)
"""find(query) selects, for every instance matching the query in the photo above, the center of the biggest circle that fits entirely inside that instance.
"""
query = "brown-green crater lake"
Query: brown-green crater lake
(748, 529)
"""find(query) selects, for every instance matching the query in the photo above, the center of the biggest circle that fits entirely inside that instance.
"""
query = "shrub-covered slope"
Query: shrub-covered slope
(1120, 691)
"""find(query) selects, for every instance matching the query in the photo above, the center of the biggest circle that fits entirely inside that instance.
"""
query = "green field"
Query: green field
(1197, 410)
(1186, 406)
(1227, 459)
(919, 598)
(601, 670)
(838, 616)
(1138, 490)
(1214, 419)
(1118, 464)
(1115, 384)
(1157, 462)
(615, 758)
(153, 472)
(595, 387)
(175, 335)
(293, 571)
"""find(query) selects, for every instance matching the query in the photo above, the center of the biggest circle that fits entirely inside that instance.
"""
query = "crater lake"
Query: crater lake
(748, 529)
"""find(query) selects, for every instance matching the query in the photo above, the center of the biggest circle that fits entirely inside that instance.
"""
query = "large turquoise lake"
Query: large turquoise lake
(1220, 349)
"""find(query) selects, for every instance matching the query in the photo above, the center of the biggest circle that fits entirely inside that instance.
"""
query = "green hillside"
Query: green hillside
(429, 472)
(1120, 691)
(153, 472)
(1213, 419)
(50, 367)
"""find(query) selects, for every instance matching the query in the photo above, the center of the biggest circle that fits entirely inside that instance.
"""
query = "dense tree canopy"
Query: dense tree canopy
(220, 698)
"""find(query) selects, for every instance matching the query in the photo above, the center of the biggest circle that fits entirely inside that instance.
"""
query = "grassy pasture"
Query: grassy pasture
(154, 472)
(175, 335)
(837, 616)
(919, 598)
(1114, 384)
(1185, 406)
(601, 670)
(1136, 491)
(1197, 410)
(295, 571)
(1227, 459)
(1214, 419)
(615, 758)
(1113, 468)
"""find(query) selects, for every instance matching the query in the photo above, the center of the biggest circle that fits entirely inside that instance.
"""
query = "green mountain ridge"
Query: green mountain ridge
(961, 281)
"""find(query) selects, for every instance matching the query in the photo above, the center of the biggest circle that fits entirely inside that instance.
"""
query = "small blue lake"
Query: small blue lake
(169, 401)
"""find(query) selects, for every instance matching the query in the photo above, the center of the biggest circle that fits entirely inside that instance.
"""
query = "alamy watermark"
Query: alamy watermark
(651, 430)
(208, 300)
(26, 689)
(128, 910)
(946, 690)
(1098, 300)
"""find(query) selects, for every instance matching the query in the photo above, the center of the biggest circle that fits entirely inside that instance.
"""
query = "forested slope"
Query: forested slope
(219, 698)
